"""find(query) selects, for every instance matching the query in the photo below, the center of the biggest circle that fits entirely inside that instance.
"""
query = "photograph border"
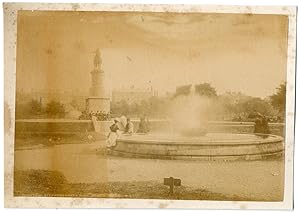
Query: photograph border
(10, 38)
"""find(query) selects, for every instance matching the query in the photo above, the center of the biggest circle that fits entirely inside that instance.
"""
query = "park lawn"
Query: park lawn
(44, 183)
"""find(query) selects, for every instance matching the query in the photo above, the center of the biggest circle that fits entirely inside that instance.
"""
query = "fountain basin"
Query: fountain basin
(211, 146)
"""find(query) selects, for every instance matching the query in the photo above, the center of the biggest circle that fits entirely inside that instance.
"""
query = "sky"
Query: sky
(233, 52)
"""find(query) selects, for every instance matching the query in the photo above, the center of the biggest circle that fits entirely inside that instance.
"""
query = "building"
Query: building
(96, 100)
(132, 95)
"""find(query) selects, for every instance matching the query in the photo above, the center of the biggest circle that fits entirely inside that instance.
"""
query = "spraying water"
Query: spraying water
(189, 113)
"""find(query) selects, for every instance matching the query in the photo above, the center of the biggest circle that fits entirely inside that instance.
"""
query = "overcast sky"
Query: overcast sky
(233, 52)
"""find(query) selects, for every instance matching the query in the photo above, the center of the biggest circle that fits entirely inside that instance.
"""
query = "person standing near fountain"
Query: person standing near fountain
(261, 124)
(129, 127)
(113, 134)
(143, 126)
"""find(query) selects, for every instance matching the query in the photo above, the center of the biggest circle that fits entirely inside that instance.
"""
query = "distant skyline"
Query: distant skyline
(233, 52)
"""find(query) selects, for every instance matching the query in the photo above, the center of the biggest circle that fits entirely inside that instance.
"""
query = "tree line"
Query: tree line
(228, 106)
(234, 106)
(35, 109)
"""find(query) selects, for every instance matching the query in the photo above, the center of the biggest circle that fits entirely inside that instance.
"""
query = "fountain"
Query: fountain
(191, 140)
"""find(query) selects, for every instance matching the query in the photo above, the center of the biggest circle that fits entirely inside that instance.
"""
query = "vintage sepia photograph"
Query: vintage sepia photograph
(146, 104)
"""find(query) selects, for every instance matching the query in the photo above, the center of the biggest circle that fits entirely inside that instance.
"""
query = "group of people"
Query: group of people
(125, 126)
(100, 115)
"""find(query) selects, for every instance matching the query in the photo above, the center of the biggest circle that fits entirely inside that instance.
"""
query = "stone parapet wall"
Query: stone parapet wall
(41, 126)
(75, 126)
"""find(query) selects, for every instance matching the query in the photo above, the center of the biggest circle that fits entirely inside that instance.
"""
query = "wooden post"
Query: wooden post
(171, 185)
(172, 182)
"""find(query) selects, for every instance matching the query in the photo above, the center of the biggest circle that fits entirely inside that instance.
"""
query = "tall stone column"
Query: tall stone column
(98, 87)
(98, 100)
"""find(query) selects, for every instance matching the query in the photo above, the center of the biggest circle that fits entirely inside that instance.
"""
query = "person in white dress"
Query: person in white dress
(113, 134)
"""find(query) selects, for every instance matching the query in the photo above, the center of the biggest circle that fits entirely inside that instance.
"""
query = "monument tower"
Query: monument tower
(98, 101)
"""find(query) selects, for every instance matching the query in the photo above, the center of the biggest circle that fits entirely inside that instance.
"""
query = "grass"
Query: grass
(31, 142)
(44, 183)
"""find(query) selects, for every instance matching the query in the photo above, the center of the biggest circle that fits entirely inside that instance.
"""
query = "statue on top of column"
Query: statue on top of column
(97, 59)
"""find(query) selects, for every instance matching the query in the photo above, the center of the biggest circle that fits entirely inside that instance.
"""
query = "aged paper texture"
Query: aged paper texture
(149, 106)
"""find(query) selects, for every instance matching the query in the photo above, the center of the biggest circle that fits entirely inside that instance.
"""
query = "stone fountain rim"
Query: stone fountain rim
(271, 139)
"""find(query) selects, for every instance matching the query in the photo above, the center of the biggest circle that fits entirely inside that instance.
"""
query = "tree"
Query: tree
(256, 104)
(120, 108)
(144, 107)
(35, 107)
(183, 90)
(75, 104)
(31, 109)
(55, 109)
(153, 106)
(205, 89)
(278, 99)
(237, 105)
(227, 104)
(158, 106)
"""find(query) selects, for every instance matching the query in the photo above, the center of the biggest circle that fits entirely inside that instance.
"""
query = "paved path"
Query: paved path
(80, 163)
